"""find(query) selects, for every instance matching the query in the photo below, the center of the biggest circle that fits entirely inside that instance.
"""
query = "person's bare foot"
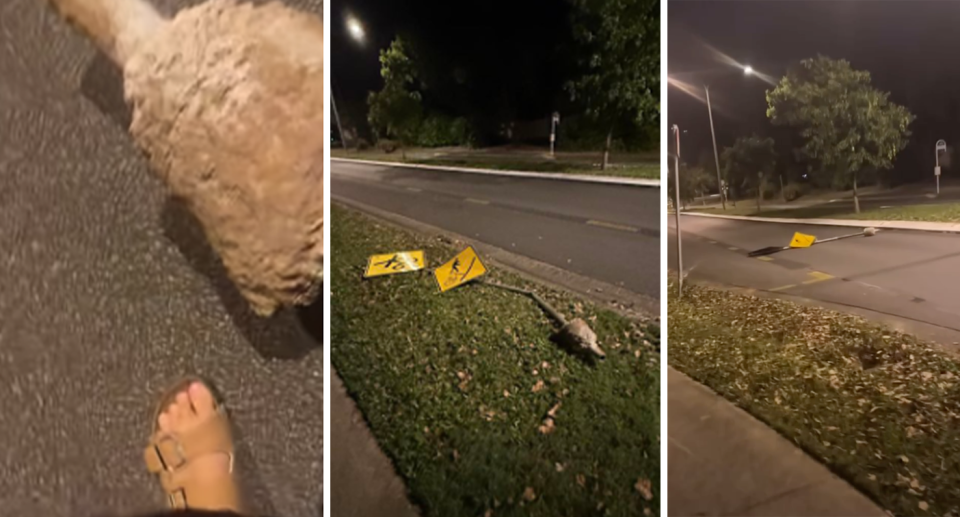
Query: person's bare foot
(206, 479)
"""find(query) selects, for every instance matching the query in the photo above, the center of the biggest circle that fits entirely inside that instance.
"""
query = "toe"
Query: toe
(203, 401)
(173, 415)
(163, 422)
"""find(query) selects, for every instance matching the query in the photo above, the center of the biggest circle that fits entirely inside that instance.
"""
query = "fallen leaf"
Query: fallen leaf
(923, 505)
(643, 486)
(904, 459)
(559, 466)
(538, 386)
(553, 411)
(548, 426)
(506, 394)
(582, 480)
(529, 494)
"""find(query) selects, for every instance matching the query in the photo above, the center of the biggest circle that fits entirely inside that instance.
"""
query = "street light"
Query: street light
(749, 71)
(355, 28)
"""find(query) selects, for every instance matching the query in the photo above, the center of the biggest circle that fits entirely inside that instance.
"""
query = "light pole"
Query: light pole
(676, 210)
(358, 34)
(716, 156)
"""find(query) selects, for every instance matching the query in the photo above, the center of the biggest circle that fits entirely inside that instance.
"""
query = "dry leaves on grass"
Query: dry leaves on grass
(643, 486)
(529, 494)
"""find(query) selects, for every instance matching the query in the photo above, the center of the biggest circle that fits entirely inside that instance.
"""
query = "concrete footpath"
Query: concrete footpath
(722, 461)
(920, 226)
(362, 480)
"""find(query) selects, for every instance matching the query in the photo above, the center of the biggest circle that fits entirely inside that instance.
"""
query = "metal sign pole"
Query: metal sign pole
(941, 146)
(676, 212)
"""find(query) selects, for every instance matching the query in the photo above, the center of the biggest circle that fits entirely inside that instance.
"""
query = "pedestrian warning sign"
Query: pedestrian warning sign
(459, 270)
(390, 263)
(802, 240)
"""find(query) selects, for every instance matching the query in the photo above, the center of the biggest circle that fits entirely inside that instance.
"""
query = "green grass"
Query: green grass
(879, 407)
(632, 170)
(946, 212)
(455, 387)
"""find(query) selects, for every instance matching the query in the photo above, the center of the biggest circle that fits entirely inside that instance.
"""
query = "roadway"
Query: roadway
(605, 232)
(910, 276)
(108, 293)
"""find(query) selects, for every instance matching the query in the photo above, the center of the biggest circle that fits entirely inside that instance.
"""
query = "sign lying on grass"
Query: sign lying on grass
(802, 240)
(390, 263)
(461, 269)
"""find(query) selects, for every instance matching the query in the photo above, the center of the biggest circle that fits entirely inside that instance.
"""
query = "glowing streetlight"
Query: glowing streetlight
(748, 70)
(356, 29)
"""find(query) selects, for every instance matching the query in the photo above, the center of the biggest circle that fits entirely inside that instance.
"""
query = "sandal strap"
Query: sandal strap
(173, 452)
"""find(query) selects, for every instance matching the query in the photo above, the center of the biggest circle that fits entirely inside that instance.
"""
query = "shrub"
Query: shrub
(792, 191)
(386, 145)
(362, 144)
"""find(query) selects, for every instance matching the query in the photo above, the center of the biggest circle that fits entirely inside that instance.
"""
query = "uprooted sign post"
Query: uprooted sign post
(391, 263)
(461, 269)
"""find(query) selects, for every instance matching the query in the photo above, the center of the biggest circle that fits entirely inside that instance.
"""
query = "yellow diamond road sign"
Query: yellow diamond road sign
(390, 263)
(802, 240)
(461, 269)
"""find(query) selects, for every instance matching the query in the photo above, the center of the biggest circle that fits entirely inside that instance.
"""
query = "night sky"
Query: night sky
(505, 53)
(911, 49)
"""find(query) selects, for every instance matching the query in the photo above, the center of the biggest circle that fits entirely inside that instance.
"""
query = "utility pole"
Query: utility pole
(716, 157)
(336, 115)
(676, 210)
(553, 131)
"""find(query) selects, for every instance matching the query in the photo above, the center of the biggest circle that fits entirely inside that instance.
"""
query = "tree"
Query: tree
(848, 125)
(748, 163)
(395, 111)
(621, 62)
(694, 181)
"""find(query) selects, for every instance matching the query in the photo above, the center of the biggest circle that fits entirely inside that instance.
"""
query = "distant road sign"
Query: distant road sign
(459, 270)
(941, 145)
(391, 263)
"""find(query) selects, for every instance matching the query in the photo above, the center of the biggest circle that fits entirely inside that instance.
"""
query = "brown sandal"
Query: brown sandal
(169, 455)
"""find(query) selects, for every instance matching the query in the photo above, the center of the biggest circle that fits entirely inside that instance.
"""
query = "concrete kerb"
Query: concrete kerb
(610, 180)
(917, 226)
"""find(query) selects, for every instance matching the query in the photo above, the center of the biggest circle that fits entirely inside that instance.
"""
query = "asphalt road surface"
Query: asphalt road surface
(909, 275)
(108, 293)
(606, 232)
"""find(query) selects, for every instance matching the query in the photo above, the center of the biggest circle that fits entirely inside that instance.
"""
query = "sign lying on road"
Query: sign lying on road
(459, 270)
(390, 263)
(802, 240)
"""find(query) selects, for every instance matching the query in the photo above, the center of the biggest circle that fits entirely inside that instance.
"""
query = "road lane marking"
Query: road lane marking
(765, 259)
(817, 277)
(783, 287)
(414, 189)
(477, 201)
(613, 226)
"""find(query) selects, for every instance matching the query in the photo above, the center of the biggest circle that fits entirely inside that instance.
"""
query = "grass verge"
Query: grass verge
(631, 170)
(879, 407)
(941, 212)
(946, 213)
(457, 386)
